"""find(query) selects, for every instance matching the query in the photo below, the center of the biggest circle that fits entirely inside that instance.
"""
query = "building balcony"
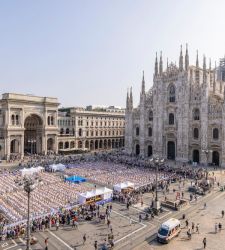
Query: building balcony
(170, 127)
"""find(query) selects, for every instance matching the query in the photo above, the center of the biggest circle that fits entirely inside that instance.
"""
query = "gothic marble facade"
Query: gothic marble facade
(181, 116)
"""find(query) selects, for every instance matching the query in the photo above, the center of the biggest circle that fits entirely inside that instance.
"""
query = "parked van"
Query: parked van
(168, 230)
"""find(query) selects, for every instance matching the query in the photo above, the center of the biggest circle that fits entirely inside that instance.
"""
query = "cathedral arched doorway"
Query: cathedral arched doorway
(137, 150)
(171, 150)
(33, 134)
(196, 155)
(149, 150)
(216, 158)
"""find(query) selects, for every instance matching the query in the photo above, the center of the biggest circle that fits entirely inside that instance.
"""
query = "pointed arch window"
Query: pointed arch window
(195, 133)
(215, 133)
(150, 116)
(172, 93)
(171, 119)
(137, 131)
(196, 114)
(149, 131)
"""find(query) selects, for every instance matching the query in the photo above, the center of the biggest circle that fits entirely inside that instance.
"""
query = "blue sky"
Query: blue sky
(89, 52)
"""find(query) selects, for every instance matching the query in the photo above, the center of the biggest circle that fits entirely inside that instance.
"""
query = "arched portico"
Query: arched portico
(33, 125)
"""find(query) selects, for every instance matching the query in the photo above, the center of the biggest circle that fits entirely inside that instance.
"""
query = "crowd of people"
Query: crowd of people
(54, 194)
(50, 194)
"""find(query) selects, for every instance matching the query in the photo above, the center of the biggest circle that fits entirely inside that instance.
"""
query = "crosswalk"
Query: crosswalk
(16, 244)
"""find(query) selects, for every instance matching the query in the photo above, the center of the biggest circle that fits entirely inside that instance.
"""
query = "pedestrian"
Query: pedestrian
(197, 228)
(216, 227)
(189, 233)
(204, 243)
(140, 218)
(46, 244)
(57, 224)
(96, 245)
(222, 213)
(204, 205)
(84, 239)
(186, 222)
(220, 227)
(130, 221)
(192, 226)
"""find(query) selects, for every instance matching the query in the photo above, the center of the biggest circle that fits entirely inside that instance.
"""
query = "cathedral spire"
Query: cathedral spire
(156, 65)
(224, 94)
(204, 69)
(181, 59)
(143, 83)
(214, 79)
(186, 58)
(160, 64)
(131, 98)
(210, 73)
(128, 99)
(197, 62)
(204, 63)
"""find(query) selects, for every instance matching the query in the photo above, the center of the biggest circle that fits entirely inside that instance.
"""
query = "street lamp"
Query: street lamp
(157, 162)
(207, 152)
(29, 183)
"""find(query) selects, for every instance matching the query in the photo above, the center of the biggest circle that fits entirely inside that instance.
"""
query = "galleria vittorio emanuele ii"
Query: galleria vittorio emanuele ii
(85, 164)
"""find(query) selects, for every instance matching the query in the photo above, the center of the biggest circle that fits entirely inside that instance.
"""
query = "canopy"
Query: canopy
(127, 184)
(106, 193)
(57, 167)
(30, 171)
(75, 179)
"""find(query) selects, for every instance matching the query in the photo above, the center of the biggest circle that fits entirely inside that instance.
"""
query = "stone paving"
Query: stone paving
(206, 219)
(125, 233)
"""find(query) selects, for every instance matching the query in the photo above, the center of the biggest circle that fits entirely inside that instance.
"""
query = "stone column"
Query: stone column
(56, 145)
(8, 148)
(22, 146)
(44, 144)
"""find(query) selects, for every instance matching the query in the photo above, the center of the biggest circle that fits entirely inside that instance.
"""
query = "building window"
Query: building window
(195, 133)
(150, 116)
(149, 131)
(215, 133)
(80, 132)
(67, 131)
(17, 120)
(172, 93)
(61, 131)
(137, 131)
(171, 119)
(48, 120)
(52, 120)
(196, 114)
(13, 119)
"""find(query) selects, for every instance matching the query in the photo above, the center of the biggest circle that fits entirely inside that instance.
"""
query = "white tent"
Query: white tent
(127, 184)
(106, 193)
(57, 167)
(30, 171)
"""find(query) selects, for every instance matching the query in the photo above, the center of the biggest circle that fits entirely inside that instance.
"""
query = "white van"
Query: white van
(168, 230)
